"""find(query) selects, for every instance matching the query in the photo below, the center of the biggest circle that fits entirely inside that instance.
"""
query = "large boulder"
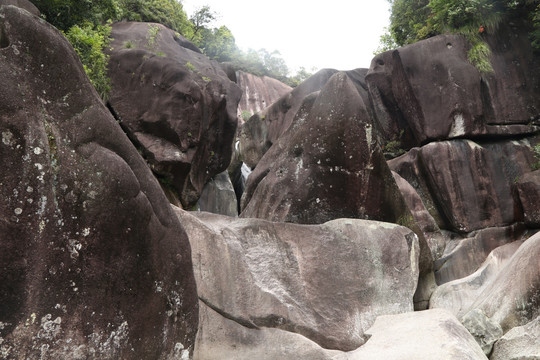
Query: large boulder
(176, 105)
(423, 335)
(258, 92)
(463, 257)
(520, 343)
(263, 129)
(218, 196)
(327, 166)
(93, 262)
(466, 185)
(326, 282)
(513, 297)
(458, 296)
(430, 91)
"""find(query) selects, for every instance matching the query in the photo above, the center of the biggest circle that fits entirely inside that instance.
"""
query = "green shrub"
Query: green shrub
(89, 41)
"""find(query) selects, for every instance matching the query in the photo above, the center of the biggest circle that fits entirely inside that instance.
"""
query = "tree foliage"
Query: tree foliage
(86, 24)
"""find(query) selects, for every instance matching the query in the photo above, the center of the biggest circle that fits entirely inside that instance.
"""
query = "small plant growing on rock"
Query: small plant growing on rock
(129, 45)
(190, 66)
(246, 115)
(536, 150)
(151, 38)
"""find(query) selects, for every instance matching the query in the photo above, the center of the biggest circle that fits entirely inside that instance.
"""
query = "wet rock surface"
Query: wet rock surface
(86, 234)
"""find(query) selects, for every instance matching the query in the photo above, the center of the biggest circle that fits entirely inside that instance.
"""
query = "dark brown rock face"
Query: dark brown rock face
(529, 195)
(177, 106)
(429, 91)
(468, 185)
(258, 92)
(93, 263)
(264, 128)
(328, 157)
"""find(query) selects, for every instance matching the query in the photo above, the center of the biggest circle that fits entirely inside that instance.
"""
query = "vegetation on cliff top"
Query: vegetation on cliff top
(86, 24)
(414, 20)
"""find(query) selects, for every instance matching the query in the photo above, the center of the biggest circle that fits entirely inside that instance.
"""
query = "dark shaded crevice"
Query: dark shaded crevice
(243, 322)
(4, 41)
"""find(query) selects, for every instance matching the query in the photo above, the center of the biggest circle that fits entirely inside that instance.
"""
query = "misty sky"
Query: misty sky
(340, 34)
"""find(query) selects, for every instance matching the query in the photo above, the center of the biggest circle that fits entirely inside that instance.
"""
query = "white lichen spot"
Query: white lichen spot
(30, 200)
(458, 126)
(7, 138)
(38, 150)
(15, 49)
(41, 226)
(29, 189)
(179, 350)
(49, 328)
(86, 232)
(38, 166)
(18, 211)
(158, 286)
(317, 200)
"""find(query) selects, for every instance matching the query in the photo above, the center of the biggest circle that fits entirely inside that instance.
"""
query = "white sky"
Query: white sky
(339, 34)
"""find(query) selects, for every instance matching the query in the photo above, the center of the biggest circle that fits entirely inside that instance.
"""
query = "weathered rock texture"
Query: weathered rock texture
(177, 106)
(529, 195)
(485, 331)
(458, 296)
(467, 255)
(328, 166)
(263, 129)
(424, 335)
(23, 4)
(326, 282)
(258, 92)
(93, 263)
(522, 342)
(220, 338)
(513, 297)
(429, 91)
(468, 185)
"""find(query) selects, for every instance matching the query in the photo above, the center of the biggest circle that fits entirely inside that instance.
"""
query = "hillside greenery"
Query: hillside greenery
(87, 25)
(414, 20)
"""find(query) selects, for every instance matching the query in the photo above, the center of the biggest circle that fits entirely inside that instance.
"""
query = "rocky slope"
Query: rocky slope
(336, 245)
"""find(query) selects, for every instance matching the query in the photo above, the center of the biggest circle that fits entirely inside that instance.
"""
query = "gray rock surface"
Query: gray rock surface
(326, 282)
(463, 257)
(422, 335)
(218, 196)
(485, 331)
(513, 297)
(520, 343)
(458, 296)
